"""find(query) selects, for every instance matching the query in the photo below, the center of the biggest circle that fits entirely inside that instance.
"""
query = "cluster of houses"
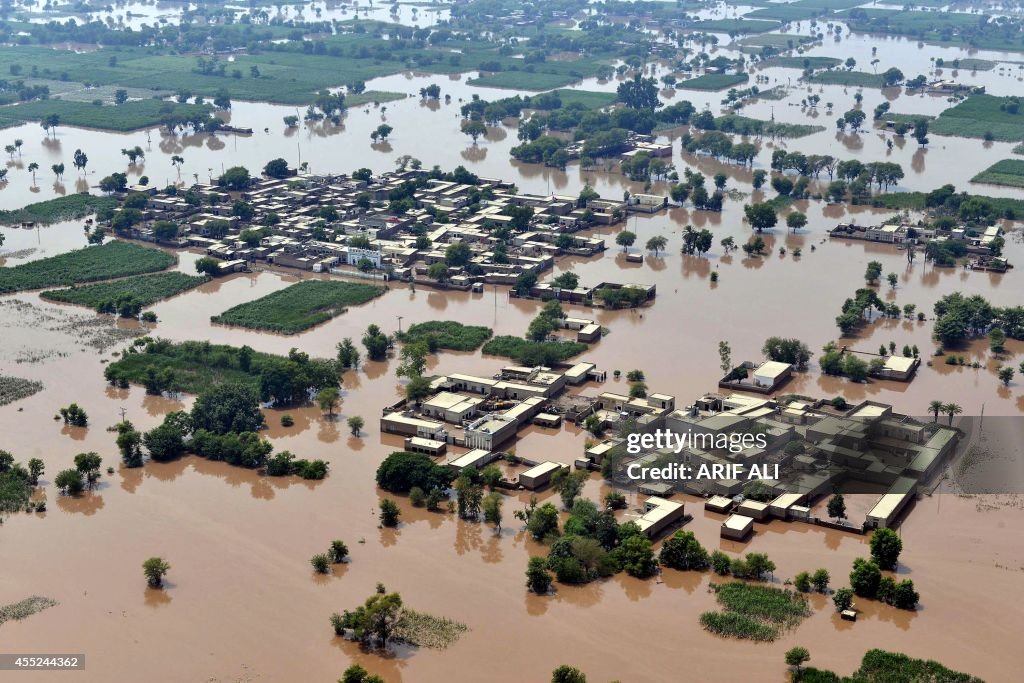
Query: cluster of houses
(978, 244)
(818, 449)
(337, 223)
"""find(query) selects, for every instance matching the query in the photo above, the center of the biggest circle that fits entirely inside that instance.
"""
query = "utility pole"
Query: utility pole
(400, 324)
(123, 412)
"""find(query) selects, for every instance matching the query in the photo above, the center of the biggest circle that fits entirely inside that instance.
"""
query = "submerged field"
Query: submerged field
(300, 306)
(713, 82)
(447, 334)
(755, 612)
(144, 290)
(110, 260)
(58, 209)
(982, 116)
(1009, 172)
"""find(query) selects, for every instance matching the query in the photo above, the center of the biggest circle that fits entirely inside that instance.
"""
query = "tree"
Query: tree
(802, 582)
(164, 442)
(377, 618)
(760, 216)
(401, 471)
(842, 599)
(997, 340)
(389, 512)
(636, 556)
(321, 563)
(886, 546)
(154, 569)
(873, 272)
(569, 485)
(492, 510)
(35, 470)
(32, 168)
(639, 93)
(796, 220)
(567, 280)
(69, 482)
(80, 160)
(543, 522)
(683, 551)
(625, 239)
(276, 168)
(567, 674)
(725, 357)
(656, 244)
(357, 674)
(74, 415)
(207, 265)
(355, 424)
(235, 178)
(796, 657)
(468, 497)
(837, 507)
(865, 577)
(228, 407)
(538, 579)
(820, 579)
(951, 409)
(782, 350)
(474, 129)
(327, 399)
(904, 596)
(1005, 375)
(376, 343)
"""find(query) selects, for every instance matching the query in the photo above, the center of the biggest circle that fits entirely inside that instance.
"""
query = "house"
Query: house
(408, 424)
(538, 476)
(418, 444)
(891, 504)
(770, 374)
(737, 527)
(898, 368)
(780, 507)
(659, 514)
(477, 458)
(450, 407)
(719, 504)
(754, 509)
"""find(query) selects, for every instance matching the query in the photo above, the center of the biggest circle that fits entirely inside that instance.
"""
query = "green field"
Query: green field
(66, 208)
(522, 80)
(145, 290)
(785, 13)
(735, 26)
(125, 117)
(447, 334)
(713, 82)
(587, 98)
(945, 28)
(110, 260)
(300, 306)
(754, 612)
(532, 353)
(814, 63)
(780, 41)
(978, 115)
(744, 125)
(971, 64)
(859, 79)
(371, 96)
(915, 201)
(908, 119)
(1008, 172)
(879, 666)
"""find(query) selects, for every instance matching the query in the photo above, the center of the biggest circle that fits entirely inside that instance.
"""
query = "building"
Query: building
(891, 504)
(659, 514)
(431, 447)
(477, 458)
(719, 504)
(754, 509)
(539, 475)
(898, 368)
(450, 407)
(781, 506)
(771, 374)
(409, 424)
(737, 527)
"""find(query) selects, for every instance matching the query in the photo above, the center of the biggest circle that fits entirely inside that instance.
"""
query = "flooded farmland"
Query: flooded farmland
(241, 602)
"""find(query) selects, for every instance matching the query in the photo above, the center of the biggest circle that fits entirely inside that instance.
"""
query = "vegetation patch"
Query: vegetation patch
(447, 334)
(880, 666)
(15, 491)
(533, 353)
(713, 82)
(110, 260)
(983, 116)
(522, 80)
(300, 306)
(859, 79)
(1008, 172)
(65, 208)
(754, 612)
(25, 608)
(15, 388)
(426, 630)
(736, 26)
(813, 63)
(132, 115)
(142, 290)
(743, 125)
(587, 98)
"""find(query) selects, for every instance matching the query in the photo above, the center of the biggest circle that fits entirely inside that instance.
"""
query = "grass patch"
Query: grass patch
(743, 125)
(533, 353)
(782, 41)
(195, 365)
(104, 262)
(830, 4)
(1019, 149)
(426, 630)
(814, 63)
(754, 612)
(587, 98)
(522, 80)
(66, 208)
(858, 79)
(300, 306)
(736, 26)
(15, 388)
(25, 608)
(448, 335)
(785, 13)
(713, 82)
(899, 201)
(978, 115)
(971, 64)
(908, 119)
(129, 116)
(1008, 172)
(879, 666)
(372, 96)
(143, 289)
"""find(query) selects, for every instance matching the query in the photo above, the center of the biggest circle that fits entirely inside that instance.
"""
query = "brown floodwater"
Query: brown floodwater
(242, 602)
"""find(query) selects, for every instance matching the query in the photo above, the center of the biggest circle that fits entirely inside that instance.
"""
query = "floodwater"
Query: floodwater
(242, 602)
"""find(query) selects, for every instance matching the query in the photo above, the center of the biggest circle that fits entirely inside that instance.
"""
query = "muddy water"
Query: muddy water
(242, 603)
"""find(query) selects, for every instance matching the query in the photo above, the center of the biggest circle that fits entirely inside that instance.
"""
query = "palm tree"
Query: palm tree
(18, 143)
(32, 168)
(952, 409)
(936, 407)
(58, 170)
(177, 161)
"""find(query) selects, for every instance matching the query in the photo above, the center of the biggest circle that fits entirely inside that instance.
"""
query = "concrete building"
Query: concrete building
(451, 407)
(891, 504)
(719, 504)
(737, 527)
(753, 509)
(539, 475)
(408, 424)
(477, 458)
(431, 447)
(659, 514)
(771, 374)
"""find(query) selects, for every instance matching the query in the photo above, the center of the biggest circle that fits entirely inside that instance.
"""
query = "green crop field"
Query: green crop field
(125, 117)
(735, 26)
(1009, 172)
(110, 260)
(713, 82)
(802, 62)
(143, 289)
(849, 78)
(754, 612)
(785, 13)
(66, 208)
(300, 306)
(744, 125)
(588, 98)
(532, 353)
(981, 114)
(447, 334)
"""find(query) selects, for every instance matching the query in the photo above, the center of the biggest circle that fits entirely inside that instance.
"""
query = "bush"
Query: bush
(401, 471)
(338, 551)
(154, 569)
